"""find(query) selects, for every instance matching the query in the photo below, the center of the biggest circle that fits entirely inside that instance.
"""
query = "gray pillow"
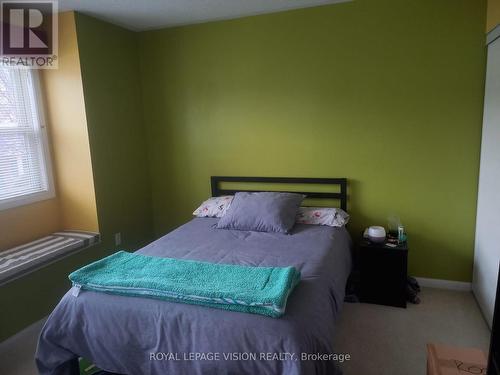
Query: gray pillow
(262, 212)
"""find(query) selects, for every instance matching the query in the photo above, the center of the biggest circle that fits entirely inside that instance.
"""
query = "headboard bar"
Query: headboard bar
(342, 182)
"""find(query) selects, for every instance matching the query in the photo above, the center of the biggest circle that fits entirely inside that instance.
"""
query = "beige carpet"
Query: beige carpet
(390, 341)
(381, 340)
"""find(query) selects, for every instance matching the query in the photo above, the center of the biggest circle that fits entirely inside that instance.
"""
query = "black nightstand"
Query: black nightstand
(383, 273)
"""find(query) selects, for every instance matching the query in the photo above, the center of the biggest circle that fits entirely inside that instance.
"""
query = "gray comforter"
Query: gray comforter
(136, 336)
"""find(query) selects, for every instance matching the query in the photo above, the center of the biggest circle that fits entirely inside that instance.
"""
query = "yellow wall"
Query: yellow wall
(493, 17)
(26, 223)
(65, 110)
(74, 206)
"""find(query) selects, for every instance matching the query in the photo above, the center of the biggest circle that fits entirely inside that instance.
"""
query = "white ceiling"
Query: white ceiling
(141, 15)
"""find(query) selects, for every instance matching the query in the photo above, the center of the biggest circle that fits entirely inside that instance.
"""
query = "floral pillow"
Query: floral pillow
(333, 217)
(214, 207)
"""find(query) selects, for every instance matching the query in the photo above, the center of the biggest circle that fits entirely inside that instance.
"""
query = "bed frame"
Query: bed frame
(341, 196)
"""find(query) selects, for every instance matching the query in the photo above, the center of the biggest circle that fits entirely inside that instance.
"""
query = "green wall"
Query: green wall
(111, 86)
(387, 93)
(121, 178)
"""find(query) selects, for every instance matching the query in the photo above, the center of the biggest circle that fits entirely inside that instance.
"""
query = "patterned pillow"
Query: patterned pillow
(214, 207)
(333, 217)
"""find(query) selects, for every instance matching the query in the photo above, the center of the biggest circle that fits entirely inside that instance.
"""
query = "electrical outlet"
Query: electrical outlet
(118, 239)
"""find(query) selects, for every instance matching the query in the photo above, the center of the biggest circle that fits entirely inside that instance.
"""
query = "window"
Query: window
(25, 173)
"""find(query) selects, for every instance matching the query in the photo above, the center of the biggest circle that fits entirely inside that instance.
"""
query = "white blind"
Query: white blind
(22, 160)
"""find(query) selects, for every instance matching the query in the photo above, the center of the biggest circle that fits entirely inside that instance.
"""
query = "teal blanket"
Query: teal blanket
(258, 290)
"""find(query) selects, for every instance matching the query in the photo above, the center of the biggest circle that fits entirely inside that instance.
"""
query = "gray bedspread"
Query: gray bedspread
(135, 336)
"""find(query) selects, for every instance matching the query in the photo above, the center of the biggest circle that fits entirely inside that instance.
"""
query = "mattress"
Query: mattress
(132, 335)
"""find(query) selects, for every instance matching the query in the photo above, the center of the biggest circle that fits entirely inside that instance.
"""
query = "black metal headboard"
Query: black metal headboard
(341, 196)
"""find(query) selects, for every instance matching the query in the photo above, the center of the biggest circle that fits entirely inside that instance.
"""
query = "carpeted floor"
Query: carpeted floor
(380, 340)
(390, 341)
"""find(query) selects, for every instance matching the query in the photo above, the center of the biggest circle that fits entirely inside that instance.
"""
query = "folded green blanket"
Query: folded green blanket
(258, 290)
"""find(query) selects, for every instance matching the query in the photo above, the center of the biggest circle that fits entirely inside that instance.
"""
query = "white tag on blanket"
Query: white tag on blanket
(76, 290)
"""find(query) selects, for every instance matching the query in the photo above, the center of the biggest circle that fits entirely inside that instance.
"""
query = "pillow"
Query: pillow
(214, 207)
(262, 212)
(333, 217)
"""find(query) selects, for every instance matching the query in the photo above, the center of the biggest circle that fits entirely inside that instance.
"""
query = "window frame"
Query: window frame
(44, 149)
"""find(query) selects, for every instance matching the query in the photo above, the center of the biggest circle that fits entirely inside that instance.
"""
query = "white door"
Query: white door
(487, 243)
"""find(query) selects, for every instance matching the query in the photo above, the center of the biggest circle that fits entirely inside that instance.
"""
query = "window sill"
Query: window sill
(24, 259)
(23, 200)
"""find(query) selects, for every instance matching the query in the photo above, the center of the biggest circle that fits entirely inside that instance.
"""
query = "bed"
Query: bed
(131, 335)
